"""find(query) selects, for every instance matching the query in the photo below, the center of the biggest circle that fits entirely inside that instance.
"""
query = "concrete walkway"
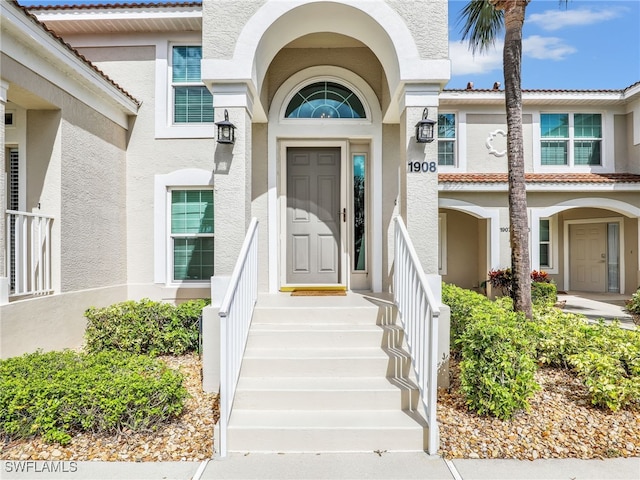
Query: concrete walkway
(594, 306)
(331, 466)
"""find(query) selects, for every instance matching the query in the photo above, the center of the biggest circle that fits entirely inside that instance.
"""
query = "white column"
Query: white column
(419, 175)
(232, 176)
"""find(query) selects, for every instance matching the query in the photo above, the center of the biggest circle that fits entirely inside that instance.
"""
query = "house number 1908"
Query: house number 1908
(424, 167)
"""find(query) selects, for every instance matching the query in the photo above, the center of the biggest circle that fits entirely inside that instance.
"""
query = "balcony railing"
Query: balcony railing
(235, 314)
(419, 314)
(28, 250)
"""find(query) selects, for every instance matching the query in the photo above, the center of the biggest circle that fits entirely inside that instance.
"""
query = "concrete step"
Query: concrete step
(325, 362)
(322, 394)
(352, 309)
(334, 431)
(321, 336)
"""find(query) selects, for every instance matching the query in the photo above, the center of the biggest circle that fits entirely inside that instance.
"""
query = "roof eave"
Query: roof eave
(96, 90)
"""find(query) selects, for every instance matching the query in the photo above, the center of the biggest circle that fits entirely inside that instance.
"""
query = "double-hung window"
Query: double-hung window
(192, 101)
(571, 139)
(545, 243)
(447, 139)
(191, 234)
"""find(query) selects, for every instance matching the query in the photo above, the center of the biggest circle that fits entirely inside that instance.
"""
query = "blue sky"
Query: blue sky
(585, 44)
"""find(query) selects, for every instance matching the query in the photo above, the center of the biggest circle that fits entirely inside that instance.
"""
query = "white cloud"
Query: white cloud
(560, 18)
(463, 62)
(546, 48)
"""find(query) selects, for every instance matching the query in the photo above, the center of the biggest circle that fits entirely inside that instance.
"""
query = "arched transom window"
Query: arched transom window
(325, 100)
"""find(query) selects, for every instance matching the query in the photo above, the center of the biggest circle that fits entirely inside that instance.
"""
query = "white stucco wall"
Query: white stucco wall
(93, 199)
(428, 24)
(51, 323)
(74, 160)
(131, 62)
(483, 128)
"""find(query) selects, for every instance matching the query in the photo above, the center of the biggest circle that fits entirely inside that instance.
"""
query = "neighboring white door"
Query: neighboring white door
(588, 257)
(313, 216)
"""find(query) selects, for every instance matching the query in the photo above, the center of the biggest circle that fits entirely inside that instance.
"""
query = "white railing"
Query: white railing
(419, 314)
(28, 250)
(235, 319)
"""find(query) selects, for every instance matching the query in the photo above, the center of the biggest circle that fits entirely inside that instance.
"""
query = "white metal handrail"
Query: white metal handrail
(235, 314)
(28, 260)
(419, 314)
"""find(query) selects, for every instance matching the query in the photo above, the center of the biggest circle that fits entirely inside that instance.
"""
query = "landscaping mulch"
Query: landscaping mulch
(188, 438)
(561, 424)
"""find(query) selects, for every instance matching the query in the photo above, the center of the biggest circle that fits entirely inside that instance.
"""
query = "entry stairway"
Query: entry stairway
(325, 374)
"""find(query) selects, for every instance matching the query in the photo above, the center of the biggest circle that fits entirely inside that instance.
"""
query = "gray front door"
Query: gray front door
(313, 215)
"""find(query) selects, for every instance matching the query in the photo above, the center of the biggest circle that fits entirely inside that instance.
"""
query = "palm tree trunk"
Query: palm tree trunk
(514, 12)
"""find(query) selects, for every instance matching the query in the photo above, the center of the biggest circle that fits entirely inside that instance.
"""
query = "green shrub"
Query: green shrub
(499, 351)
(544, 293)
(633, 304)
(56, 394)
(462, 303)
(144, 327)
(558, 335)
(606, 358)
(609, 365)
(497, 367)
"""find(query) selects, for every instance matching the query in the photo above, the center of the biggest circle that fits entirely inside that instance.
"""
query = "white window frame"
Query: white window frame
(171, 237)
(534, 243)
(606, 156)
(442, 243)
(164, 126)
(315, 121)
(356, 152)
(549, 243)
(454, 139)
(196, 179)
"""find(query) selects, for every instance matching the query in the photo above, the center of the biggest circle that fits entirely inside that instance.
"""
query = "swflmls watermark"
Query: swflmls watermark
(31, 466)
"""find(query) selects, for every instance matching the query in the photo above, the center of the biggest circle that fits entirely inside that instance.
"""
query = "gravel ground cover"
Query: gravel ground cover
(561, 424)
(188, 438)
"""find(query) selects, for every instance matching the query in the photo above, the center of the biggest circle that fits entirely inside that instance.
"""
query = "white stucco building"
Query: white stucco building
(115, 187)
(109, 147)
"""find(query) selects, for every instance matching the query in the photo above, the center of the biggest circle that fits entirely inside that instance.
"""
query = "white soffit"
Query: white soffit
(122, 20)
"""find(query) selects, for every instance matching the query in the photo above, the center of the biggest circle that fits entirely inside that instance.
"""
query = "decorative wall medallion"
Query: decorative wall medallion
(489, 143)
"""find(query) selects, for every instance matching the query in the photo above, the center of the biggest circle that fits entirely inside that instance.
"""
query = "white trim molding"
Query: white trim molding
(304, 131)
(191, 177)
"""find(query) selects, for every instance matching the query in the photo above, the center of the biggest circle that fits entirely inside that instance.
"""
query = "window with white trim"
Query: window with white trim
(571, 139)
(191, 234)
(447, 139)
(544, 242)
(442, 243)
(192, 101)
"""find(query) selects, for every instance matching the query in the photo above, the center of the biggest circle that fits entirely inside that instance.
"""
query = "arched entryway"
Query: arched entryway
(588, 244)
(366, 49)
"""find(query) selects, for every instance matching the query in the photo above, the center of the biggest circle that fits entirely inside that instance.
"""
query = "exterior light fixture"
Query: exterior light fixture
(226, 130)
(424, 128)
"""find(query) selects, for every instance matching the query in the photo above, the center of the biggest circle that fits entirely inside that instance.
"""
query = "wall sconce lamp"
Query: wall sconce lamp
(226, 130)
(424, 128)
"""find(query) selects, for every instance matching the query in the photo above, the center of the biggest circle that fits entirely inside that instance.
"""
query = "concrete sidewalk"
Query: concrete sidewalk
(609, 306)
(332, 466)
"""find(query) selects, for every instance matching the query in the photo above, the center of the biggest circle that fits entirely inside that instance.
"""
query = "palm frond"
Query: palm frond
(482, 23)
